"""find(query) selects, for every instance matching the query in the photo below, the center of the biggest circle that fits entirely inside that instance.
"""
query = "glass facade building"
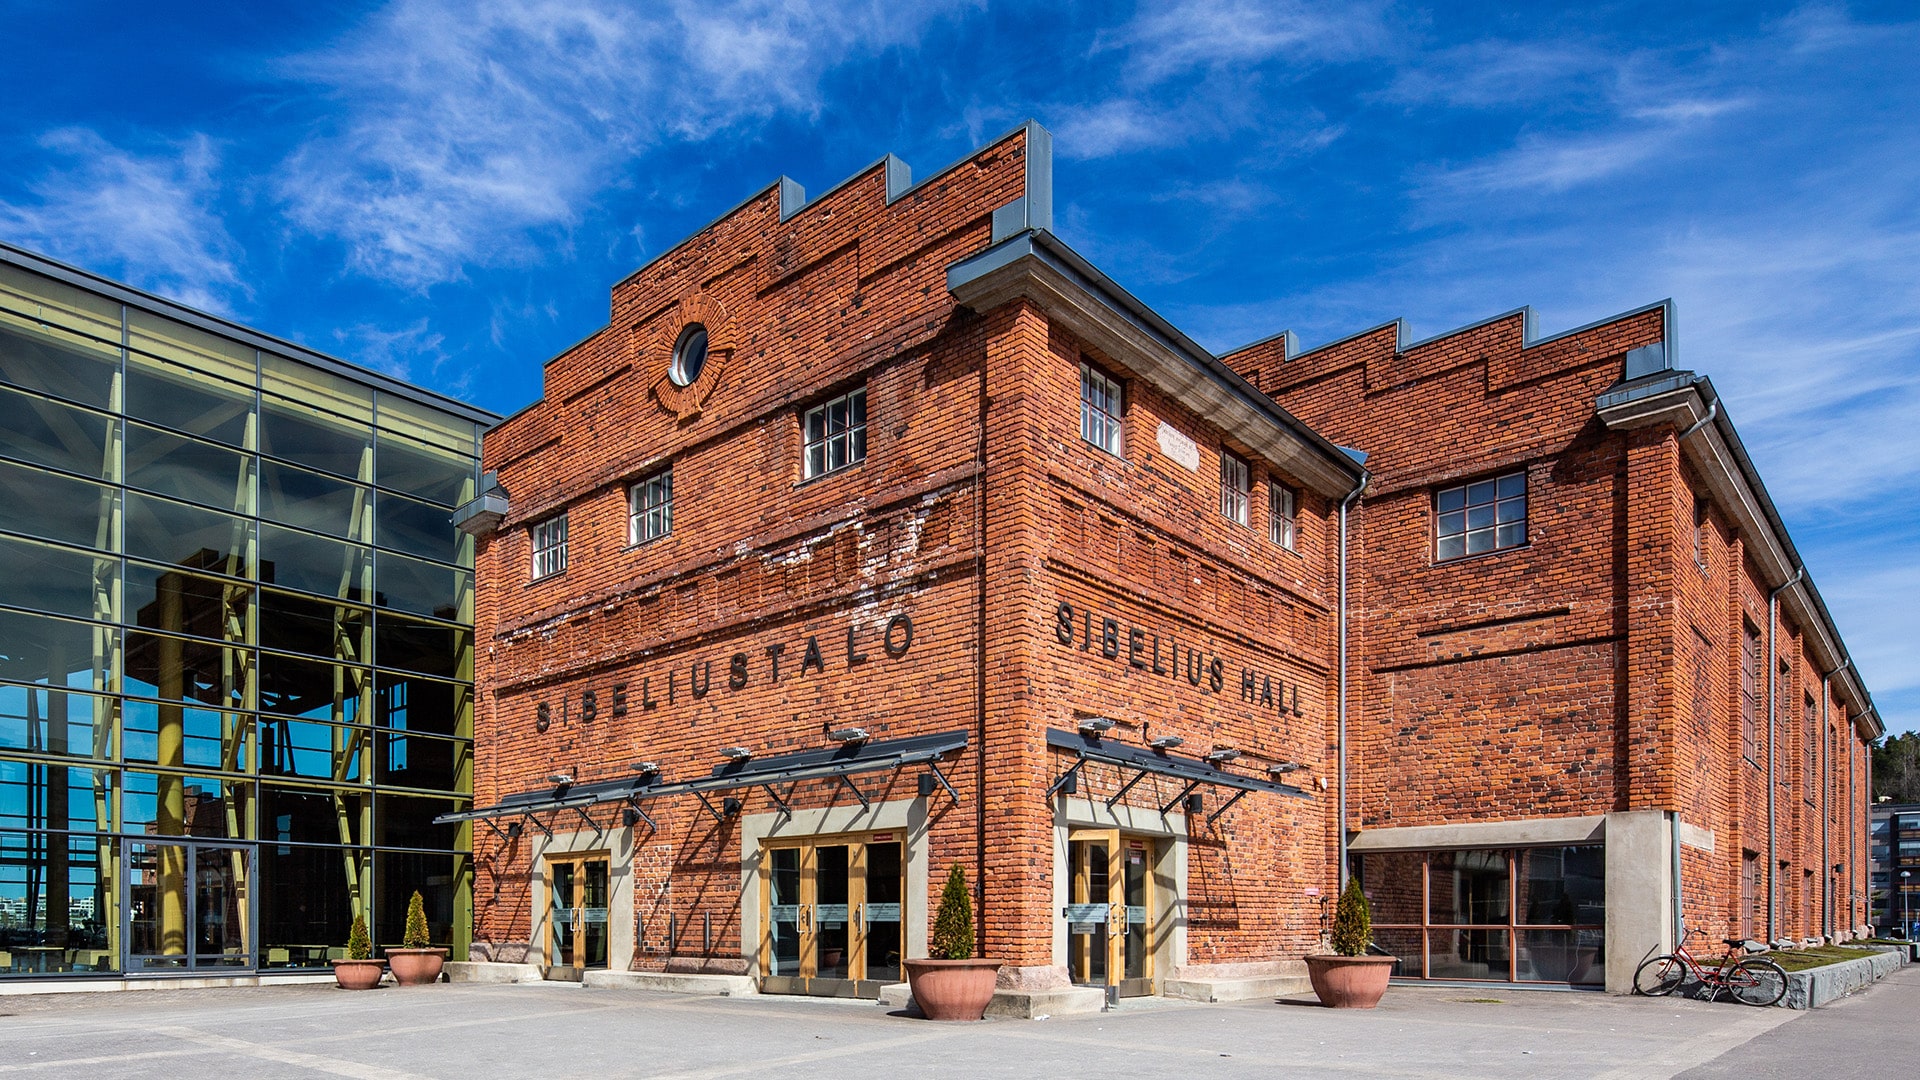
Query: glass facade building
(236, 643)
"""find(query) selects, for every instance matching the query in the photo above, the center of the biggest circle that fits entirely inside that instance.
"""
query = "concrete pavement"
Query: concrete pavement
(463, 1032)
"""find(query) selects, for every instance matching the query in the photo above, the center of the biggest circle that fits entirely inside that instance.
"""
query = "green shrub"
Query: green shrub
(1352, 922)
(953, 924)
(416, 935)
(359, 945)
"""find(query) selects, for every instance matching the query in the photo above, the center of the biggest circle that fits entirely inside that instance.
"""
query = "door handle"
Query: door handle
(860, 917)
(806, 918)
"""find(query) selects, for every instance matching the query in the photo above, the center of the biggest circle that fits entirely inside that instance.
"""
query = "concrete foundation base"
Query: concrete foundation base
(1814, 988)
(1249, 989)
(109, 986)
(476, 971)
(673, 982)
(1014, 1004)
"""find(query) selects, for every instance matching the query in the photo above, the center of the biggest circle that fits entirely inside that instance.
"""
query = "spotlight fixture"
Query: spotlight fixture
(645, 768)
(736, 753)
(1222, 753)
(849, 734)
(1284, 767)
(1166, 742)
(560, 778)
(1095, 725)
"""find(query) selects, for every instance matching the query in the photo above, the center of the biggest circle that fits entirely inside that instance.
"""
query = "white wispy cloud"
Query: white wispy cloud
(1169, 39)
(412, 352)
(146, 216)
(476, 133)
(1497, 73)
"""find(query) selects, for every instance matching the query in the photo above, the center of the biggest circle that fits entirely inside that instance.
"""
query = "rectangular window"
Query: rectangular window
(1810, 749)
(1750, 889)
(1486, 515)
(550, 547)
(836, 434)
(1750, 665)
(1236, 484)
(1280, 521)
(1700, 506)
(650, 508)
(1100, 407)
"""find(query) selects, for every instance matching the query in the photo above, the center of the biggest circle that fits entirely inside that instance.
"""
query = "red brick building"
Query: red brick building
(879, 533)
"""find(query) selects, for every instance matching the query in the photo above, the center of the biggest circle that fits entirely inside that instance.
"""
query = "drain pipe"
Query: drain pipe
(1713, 410)
(1679, 911)
(1340, 743)
(1773, 620)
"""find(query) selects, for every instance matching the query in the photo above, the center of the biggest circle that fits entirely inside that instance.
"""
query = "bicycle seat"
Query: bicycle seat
(1733, 942)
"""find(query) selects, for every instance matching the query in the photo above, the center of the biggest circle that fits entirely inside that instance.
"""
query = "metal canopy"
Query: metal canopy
(1145, 761)
(826, 763)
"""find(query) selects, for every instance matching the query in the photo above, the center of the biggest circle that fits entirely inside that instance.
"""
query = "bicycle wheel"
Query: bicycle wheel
(1660, 976)
(1757, 982)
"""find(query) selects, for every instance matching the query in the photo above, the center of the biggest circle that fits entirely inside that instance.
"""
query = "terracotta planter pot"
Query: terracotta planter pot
(358, 974)
(952, 989)
(1350, 982)
(416, 967)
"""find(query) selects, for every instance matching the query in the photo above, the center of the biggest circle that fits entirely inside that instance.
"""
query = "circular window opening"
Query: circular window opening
(689, 355)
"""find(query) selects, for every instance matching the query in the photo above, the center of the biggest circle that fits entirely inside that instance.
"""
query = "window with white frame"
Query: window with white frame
(835, 433)
(550, 547)
(1236, 485)
(1100, 408)
(1482, 516)
(650, 508)
(1280, 522)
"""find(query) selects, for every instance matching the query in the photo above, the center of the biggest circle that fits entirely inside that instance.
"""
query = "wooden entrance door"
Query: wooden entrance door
(577, 915)
(832, 909)
(1110, 916)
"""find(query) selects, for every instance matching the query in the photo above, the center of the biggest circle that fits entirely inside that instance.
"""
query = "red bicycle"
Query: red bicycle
(1749, 980)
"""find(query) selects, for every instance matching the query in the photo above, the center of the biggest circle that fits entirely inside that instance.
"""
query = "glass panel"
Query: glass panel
(168, 598)
(34, 796)
(56, 904)
(439, 880)
(830, 911)
(1137, 869)
(1392, 882)
(157, 902)
(1562, 886)
(420, 761)
(1513, 485)
(311, 750)
(324, 628)
(56, 507)
(783, 911)
(306, 902)
(1511, 535)
(407, 821)
(185, 400)
(426, 424)
(43, 432)
(172, 804)
(305, 383)
(593, 914)
(297, 815)
(1479, 517)
(189, 346)
(1468, 954)
(55, 721)
(1480, 493)
(416, 704)
(58, 580)
(309, 500)
(1452, 547)
(314, 564)
(1577, 957)
(419, 528)
(427, 648)
(1405, 944)
(1468, 887)
(172, 735)
(1452, 499)
(189, 469)
(884, 913)
(1087, 941)
(221, 884)
(161, 530)
(57, 652)
(186, 669)
(423, 588)
(560, 889)
(313, 690)
(48, 360)
(294, 432)
(427, 472)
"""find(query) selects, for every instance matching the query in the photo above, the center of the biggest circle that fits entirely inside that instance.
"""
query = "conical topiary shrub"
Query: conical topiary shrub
(358, 970)
(953, 924)
(1352, 922)
(416, 934)
(359, 945)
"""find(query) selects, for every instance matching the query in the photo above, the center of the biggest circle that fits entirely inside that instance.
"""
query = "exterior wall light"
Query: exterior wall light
(849, 735)
(560, 778)
(1285, 767)
(1222, 753)
(644, 768)
(736, 753)
(1095, 725)
(1166, 742)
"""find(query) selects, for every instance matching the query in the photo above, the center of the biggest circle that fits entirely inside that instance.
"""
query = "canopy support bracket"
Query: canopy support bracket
(1228, 805)
(1126, 787)
(865, 803)
(934, 768)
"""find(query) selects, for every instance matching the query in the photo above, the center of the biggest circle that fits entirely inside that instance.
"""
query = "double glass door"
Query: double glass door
(577, 915)
(189, 907)
(1110, 917)
(833, 913)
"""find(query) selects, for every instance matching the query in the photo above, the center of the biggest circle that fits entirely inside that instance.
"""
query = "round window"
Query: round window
(689, 355)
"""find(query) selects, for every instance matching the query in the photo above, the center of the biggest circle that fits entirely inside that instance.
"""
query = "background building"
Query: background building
(1896, 851)
(235, 640)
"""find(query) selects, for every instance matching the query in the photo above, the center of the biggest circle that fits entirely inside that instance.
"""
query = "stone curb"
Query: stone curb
(1815, 987)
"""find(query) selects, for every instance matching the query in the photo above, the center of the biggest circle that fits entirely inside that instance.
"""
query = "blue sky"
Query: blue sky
(446, 191)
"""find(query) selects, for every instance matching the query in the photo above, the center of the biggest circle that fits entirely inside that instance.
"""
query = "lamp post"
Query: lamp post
(1905, 923)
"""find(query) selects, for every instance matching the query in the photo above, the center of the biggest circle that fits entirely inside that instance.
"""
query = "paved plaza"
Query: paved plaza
(463, 1032)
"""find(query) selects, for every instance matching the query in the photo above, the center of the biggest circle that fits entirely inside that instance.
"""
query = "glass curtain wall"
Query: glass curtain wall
(1500, 915)
(236, 648)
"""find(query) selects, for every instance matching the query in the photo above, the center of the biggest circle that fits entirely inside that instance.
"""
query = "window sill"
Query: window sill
(543, 578)
(830, 474)
(1458, 559)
